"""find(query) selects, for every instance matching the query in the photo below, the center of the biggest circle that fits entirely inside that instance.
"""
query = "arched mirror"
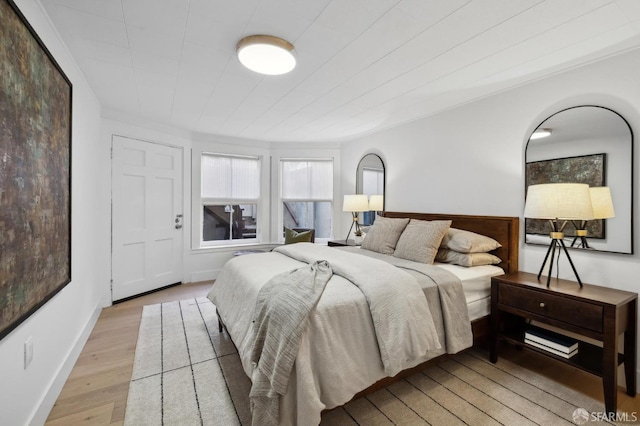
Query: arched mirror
(585, 144)
(370, 181)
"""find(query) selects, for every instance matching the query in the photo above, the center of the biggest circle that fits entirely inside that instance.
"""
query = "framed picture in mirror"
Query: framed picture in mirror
(589, 169)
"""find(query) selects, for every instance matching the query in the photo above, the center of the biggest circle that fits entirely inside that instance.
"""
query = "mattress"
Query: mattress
(476, 282)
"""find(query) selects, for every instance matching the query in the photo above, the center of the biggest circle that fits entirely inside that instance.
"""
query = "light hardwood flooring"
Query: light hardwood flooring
(96, 391)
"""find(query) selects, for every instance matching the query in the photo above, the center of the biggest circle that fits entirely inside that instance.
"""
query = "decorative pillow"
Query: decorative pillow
(468, 242)
(383, 234)
(420, 240)
(466, 259)
(291, 236)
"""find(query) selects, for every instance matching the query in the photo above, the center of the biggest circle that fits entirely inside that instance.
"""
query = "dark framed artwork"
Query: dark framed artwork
(35, 171)
(589, 169)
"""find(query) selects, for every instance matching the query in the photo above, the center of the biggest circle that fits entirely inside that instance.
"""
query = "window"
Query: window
(306, 192)
(230, 198)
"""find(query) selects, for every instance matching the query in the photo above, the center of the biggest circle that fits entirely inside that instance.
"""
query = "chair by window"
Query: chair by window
(299, 235)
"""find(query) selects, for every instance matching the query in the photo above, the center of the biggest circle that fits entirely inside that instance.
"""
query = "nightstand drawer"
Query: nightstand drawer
(581, 314)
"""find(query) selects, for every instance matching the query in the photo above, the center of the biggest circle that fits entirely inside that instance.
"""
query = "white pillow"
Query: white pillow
(466, 259)
(468, 242)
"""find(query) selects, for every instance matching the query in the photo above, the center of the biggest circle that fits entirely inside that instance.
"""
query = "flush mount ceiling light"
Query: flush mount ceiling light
(541, 133)
(266, 54)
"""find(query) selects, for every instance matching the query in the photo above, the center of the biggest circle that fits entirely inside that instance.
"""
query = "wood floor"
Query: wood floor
(96, 390)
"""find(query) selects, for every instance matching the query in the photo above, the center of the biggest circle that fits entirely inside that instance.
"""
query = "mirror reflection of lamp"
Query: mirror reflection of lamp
(376, 203)
(602, 206)
(558, 203)
(355, 204)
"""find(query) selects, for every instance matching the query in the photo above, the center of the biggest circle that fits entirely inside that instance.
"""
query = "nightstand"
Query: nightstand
(341, 243)
(600, 313)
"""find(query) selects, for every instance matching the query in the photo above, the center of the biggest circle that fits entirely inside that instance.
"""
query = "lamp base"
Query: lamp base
(581, 242)
(355, 222)
(581, 235)
(557, 241)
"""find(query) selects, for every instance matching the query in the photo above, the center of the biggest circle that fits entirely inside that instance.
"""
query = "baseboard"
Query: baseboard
(204, 275)
(49, 399)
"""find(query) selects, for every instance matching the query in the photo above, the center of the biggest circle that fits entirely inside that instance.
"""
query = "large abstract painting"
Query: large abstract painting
(589, 169)
(35, 180)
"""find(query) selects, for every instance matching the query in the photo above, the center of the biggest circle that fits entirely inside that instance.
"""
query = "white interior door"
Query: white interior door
(147, 218)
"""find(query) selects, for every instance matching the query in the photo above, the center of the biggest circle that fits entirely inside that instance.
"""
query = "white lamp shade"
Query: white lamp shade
(266, 54)
(355, 203)
(601, 202)
(567, 201)
(376, 203)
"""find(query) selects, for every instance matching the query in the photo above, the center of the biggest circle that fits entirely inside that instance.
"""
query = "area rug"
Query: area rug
(187, 373)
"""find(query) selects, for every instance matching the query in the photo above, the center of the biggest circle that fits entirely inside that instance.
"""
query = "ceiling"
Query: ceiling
(363, 65)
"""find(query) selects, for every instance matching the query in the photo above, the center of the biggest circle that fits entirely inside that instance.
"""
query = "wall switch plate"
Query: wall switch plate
(28, 352)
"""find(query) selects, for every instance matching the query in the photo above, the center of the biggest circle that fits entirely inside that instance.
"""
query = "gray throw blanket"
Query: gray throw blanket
(400, 313)
(282, 310)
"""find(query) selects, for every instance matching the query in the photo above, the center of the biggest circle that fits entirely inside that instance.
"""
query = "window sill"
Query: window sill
(233, 248)
(249, 246)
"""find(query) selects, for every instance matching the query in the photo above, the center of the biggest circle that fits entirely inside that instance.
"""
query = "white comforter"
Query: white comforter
(339, 353)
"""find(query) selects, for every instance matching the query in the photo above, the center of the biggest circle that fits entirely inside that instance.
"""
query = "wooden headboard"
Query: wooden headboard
(505, 230)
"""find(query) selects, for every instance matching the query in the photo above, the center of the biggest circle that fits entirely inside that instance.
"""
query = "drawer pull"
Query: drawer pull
(542, 304)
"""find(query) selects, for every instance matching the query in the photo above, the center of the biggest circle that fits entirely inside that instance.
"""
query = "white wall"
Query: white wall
(470, 160)
(60, 328)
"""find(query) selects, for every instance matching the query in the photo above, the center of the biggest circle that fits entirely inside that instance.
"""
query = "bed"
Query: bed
(340, 353)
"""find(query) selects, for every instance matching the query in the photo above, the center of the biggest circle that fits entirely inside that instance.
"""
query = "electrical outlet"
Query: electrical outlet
(28, 352)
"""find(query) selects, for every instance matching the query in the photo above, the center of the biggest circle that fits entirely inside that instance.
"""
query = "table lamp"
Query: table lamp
(376, 203)
(602, 206)
(355, 204)
(558, 203)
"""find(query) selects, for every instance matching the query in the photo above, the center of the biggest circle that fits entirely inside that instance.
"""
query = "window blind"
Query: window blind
(372, 181)
(230, 178)
(306, 180)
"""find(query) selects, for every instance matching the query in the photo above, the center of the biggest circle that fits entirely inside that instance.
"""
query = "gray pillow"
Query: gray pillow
(468, 242)
(420, 240)
(383, 235)
(466, 259)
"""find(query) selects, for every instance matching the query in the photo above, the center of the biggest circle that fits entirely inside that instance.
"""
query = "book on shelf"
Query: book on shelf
(551, 339)
(550, 349)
